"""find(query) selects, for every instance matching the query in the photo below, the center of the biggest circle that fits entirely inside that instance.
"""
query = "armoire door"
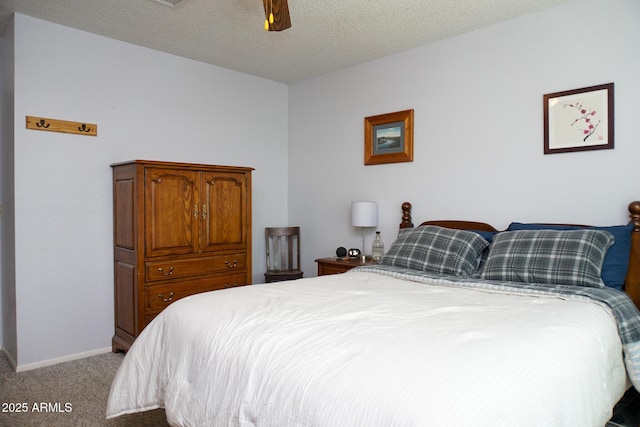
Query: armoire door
(173, 212)
(225, 199)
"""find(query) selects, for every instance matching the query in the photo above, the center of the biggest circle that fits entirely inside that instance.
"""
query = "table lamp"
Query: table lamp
(364, 214)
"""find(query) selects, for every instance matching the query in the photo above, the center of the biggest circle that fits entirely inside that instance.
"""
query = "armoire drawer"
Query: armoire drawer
(182, 268)
(160, 296)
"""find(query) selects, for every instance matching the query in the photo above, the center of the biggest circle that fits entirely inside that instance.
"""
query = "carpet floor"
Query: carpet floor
(67, 394)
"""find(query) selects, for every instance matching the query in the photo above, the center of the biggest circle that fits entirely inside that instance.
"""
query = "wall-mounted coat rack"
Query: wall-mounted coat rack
(53, 125)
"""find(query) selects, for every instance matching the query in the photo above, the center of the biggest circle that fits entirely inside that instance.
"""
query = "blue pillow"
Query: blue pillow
(616, 262)
(487, 235)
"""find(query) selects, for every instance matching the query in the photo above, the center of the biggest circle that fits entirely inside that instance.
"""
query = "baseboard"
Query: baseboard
(68, 358)
(12, 363)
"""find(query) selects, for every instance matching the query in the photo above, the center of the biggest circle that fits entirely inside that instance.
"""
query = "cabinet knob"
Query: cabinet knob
(166, 273)
(230, 285)
(231, 265)
(166, 299)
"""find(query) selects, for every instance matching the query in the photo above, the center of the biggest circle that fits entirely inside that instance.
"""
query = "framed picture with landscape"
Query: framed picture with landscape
(579, 119)
(388, 138)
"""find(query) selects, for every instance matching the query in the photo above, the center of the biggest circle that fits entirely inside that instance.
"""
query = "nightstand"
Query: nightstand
(335, 265)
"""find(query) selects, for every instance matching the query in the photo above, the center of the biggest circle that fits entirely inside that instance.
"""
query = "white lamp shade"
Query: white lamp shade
(364, 214)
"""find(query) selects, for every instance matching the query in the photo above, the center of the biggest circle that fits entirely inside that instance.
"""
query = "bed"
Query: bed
(458, 325)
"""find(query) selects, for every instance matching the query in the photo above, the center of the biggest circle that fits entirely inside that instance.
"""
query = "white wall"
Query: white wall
(148, 105)
(478, 129)
(7, 236)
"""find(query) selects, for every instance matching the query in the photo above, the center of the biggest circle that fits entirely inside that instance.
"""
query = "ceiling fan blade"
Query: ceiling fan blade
(280, 10)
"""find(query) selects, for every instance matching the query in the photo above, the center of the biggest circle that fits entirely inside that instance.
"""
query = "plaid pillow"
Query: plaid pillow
(548, 257)
(616, 263)
(437, 250)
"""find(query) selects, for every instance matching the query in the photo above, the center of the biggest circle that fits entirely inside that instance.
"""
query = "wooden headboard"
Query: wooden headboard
(632, 281)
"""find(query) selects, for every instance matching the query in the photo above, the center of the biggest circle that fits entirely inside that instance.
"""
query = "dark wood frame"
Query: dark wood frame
(404, 155)
(632, 281)
(608, 116)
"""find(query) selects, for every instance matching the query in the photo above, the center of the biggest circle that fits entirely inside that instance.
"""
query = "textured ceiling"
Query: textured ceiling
(325, 36)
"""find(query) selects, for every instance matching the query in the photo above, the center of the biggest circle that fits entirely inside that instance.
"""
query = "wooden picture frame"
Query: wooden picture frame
(388, 138)
(579, 119)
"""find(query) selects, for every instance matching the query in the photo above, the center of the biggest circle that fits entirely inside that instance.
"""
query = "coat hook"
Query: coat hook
(55, 125)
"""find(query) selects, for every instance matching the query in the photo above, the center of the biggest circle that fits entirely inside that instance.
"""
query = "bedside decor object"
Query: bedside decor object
(363, 215)
(354, 253)
(388, 138)
(341, 252)
(377, 249)
(579, 119)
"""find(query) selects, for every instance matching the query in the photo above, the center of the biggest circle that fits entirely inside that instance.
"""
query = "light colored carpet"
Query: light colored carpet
(69, 394)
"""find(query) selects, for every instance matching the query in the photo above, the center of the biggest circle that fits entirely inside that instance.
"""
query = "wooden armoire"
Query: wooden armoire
(179, 229)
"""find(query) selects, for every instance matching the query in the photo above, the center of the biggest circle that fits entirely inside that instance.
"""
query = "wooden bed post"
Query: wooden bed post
(632, 282)
(406, 216)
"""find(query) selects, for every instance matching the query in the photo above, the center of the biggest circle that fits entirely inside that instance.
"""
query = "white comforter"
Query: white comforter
(362, 349)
